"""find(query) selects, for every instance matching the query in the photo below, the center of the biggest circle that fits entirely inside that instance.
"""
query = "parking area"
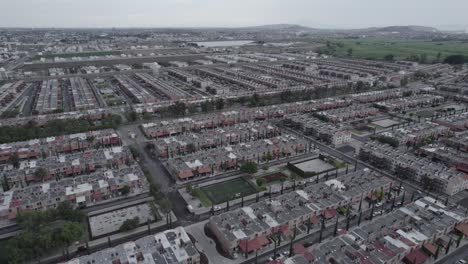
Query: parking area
(110, 222)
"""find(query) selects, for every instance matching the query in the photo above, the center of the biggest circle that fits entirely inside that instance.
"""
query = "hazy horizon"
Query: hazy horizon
(343, 14)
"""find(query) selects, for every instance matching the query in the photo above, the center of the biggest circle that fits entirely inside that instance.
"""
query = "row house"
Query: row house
(418, 133)
(66, 165)
(10, 91)
(229, 118)
(191, 142)
(401, 235)
(250, 228)
(459, 142)
(376, 96)
(81, 191)
(349, 113)
(405, 103)
(434, 176)
(449, 156)
(35, 148)
(458, 122)
(334, 134)
(221, 159)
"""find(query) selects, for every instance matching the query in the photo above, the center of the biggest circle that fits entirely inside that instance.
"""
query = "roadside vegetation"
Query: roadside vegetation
(32, 130)
(78, 54)
(44, 232)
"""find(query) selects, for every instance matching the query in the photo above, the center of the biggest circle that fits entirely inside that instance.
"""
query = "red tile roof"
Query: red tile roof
(329, 213)
(253, 244)
(462, 228)
(301, 250)
(415, 257)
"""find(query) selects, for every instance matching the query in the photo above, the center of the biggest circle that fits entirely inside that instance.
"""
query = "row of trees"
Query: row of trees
(160, 197)
(43, 232)
(54, 128)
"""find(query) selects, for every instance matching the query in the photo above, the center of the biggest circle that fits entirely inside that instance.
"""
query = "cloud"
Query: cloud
(175, 13)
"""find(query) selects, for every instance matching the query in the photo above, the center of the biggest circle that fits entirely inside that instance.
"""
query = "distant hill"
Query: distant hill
(299, 28)
(407, 29)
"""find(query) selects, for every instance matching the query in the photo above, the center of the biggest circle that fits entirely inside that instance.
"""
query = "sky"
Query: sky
(231, 13)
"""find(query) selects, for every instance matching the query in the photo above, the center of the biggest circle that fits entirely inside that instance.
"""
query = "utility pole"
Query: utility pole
(321, 229)
(335, 230)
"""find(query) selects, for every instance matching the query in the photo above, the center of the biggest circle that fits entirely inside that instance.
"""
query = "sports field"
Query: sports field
(401, 49)
(221, 192)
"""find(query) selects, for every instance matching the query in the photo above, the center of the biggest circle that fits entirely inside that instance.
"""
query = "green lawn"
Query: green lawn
(379, 48)
(221, 192)
(204, 200)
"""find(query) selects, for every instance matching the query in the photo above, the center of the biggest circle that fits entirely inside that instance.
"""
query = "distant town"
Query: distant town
(277, 144)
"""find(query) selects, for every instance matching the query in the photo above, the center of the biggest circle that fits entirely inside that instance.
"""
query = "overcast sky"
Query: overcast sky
(231, 13)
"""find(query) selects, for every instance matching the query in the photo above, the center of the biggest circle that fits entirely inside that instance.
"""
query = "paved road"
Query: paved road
(454, 256)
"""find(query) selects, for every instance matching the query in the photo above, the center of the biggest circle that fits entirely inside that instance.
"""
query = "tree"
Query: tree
(191, 148)
(146, 116)
(71, 232)
(254, 100)
(132, 116)
(135, 152)
(261, 182)
(387, 140)
(438, 57)
(220, 103)
(389, 57)
(455, 59)
(130, 224)
(5, 183)
(165, 205)
(14, 160)
(41, 174)
(178, 108)
(207, 106)
(407, 93)
(404, 82)
(125, 190)
(66, 211)
(41, 232)
(423, 58)
(350, 52)
(249, 167)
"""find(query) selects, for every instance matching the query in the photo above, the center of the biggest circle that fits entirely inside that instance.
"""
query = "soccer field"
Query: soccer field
(221, 192)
